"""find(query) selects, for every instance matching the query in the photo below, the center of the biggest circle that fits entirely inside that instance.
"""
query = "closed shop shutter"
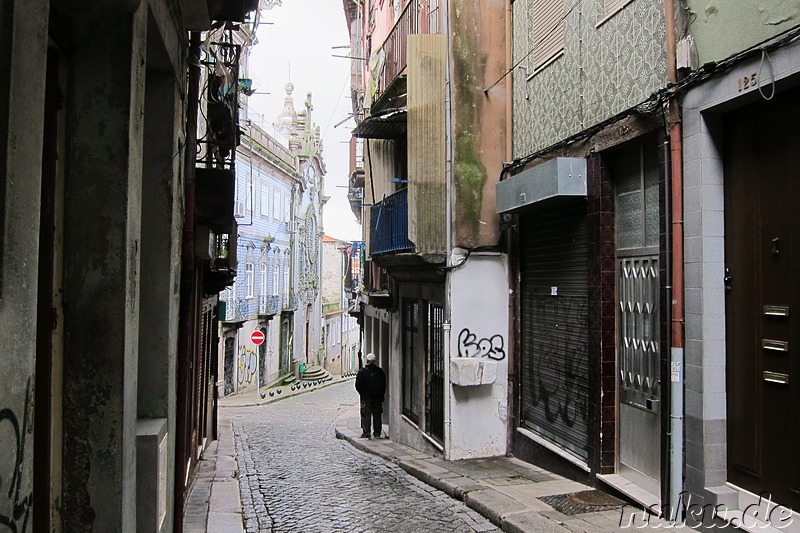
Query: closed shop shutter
(555, 368)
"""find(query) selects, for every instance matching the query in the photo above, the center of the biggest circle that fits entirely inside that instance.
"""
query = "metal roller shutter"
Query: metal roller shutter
(555, 366)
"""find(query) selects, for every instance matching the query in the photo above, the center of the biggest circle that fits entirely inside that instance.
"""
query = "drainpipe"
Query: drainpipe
(511, 379)
(448, 422)
(675, 166)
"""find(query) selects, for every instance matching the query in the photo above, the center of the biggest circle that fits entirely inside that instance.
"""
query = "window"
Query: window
(249, 200)
(248, 280)
(264, 200)
(286, 279)
(545, 33)
(262, 278)
(276, 276)
(610, 8)
(411, 346)
(276, 205)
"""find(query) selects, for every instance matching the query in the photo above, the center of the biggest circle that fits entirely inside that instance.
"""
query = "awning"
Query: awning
(388, 124)
(561, 177)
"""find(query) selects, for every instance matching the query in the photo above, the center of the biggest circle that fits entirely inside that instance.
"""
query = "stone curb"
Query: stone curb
(510, 515)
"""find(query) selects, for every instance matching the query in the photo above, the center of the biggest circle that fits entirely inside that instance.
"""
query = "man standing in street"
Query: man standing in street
(371, 386)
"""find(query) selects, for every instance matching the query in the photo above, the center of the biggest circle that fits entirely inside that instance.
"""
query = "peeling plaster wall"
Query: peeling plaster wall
(21, 179)
(480, 325)
(478, 119)
(721, 28)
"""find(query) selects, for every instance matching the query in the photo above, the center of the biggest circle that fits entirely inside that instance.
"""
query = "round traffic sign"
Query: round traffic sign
(257, 337)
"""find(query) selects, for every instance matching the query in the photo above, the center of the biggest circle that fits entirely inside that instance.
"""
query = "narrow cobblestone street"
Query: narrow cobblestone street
(296, 476)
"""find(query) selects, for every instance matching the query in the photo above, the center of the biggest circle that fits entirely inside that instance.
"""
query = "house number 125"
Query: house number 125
(748, 82)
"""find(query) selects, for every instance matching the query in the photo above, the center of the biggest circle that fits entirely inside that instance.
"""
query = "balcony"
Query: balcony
(290, 303)
(418, 17)
(389, 225)
(269, 305)
(331, 307)
(233, 310)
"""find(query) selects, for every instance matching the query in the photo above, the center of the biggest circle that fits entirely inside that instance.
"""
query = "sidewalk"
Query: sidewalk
(514, 495)
(510, 493)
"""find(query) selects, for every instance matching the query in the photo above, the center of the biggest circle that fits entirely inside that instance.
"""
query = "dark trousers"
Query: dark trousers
(371, 411)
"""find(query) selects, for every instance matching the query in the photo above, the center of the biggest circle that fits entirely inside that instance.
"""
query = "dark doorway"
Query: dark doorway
(230, 369)
(762, 243)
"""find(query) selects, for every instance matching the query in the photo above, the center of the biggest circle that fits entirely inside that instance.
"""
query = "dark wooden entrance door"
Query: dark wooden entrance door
(762, 260)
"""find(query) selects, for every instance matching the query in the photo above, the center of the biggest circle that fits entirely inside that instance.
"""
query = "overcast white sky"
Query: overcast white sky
(302, 35)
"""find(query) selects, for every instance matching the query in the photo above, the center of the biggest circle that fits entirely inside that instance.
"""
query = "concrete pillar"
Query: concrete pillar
(23, 42)
(102, 249)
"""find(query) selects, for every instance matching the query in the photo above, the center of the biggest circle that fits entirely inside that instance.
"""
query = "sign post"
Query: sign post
(257, 337)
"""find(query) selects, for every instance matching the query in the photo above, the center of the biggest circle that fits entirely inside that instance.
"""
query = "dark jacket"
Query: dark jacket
(371, 383)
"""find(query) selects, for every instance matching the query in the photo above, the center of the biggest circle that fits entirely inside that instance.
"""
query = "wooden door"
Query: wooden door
(762, 184)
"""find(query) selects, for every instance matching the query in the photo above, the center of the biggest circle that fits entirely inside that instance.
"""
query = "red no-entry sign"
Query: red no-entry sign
(257, 337)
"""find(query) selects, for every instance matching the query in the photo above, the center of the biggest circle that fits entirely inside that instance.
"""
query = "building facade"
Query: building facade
(341, 271)
(739, 188)
(431, 150)
(116, 234)
(585, 198)
(642, 240)
(278, 208)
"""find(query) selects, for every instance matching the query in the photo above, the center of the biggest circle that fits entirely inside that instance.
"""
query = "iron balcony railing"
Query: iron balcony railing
(389, 224)
(418, 17)
(236, 310)
(269, 305)
(290, 302)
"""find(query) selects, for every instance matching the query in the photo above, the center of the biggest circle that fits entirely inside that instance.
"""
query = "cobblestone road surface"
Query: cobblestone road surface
(295, 476)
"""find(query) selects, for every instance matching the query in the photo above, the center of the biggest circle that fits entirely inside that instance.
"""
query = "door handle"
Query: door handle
(776, 377)
(778, 346)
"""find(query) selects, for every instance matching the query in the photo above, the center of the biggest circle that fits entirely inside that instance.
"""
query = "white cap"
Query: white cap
(370, 357)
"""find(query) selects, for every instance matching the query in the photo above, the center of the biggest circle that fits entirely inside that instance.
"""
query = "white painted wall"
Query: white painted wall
(478, 293)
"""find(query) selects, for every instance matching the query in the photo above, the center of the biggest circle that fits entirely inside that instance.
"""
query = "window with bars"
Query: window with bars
(545, 33)
(411, 345)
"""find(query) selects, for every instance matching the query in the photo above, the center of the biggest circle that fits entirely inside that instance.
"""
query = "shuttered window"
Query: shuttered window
(610, 7)
(546, 32)
(555, 344)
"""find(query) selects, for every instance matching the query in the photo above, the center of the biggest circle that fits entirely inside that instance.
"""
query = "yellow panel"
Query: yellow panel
(426, 57)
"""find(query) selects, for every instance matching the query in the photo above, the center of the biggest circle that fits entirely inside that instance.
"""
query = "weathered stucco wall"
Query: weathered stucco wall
(721, 28)
(479, 319)
(478, 126)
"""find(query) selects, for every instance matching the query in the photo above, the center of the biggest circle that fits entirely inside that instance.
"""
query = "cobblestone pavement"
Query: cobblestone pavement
(295, 475)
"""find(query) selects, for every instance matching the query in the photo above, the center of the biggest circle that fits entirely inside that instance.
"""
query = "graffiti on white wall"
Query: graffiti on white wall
(470, 346)
(246, 366)
(14, 511)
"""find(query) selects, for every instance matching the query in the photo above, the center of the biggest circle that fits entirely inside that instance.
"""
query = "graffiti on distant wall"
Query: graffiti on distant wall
(246, 366)
(12, 439)
(560, 356)
(470, 346)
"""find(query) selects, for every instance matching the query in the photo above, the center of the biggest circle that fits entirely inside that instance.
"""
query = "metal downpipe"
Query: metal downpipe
(676, 447)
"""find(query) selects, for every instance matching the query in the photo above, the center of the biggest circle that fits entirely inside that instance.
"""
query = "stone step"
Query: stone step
(316, 373)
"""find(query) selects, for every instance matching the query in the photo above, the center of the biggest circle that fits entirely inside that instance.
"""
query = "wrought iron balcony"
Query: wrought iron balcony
(235, 310)
(290, 303)
(418, 17)
(389, 224)
(269, 305)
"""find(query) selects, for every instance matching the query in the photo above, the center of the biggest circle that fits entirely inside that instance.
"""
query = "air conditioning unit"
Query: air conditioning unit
(291, 226)
(239, 210)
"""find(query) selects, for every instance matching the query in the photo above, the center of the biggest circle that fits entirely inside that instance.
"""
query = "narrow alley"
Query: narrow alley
(295, 475)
